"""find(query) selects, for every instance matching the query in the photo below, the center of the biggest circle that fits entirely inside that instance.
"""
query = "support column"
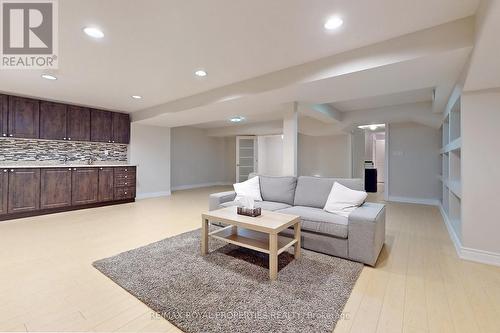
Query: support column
(290, 135)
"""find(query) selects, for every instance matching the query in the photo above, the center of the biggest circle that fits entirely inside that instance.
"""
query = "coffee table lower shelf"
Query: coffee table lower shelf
(250, 239)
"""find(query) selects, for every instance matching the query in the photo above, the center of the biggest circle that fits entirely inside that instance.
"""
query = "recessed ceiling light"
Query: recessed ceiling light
(49, 77)
(136, 96)
(237, 119)
(200, 73)
(372, 127)
(333, 23)
(93, 32)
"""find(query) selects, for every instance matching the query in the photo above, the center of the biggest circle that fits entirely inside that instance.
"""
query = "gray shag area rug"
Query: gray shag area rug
(229, 289)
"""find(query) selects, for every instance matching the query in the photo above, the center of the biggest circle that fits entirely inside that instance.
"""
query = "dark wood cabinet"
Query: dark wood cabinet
(53, 121)
(4, 185)
(84, 186)
(37, 191)
(24, 190)
(55, 188)
(78, 127)
(121, 128)
(106, 184)
(24, 117)
(101, 126)
(4, 111)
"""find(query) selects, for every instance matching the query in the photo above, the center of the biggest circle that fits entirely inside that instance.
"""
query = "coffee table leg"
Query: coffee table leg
(204, 237)
(273, 256)
(296, 248)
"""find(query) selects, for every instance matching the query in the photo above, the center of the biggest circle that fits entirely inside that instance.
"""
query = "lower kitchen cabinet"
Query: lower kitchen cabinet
(36, 191)
(55, 189)
(106, 184)
(85, 186)
(24, 190)
(4, 186)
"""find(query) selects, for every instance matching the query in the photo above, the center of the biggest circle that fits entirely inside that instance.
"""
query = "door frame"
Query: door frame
(238, 138)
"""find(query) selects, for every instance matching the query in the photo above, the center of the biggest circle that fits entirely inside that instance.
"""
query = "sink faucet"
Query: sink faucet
(90, 160)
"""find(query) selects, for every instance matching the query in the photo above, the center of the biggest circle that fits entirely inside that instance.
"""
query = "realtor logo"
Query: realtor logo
(29, 34)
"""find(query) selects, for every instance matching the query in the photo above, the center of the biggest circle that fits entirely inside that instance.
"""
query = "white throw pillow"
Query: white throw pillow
(249, 188)
(342, 200)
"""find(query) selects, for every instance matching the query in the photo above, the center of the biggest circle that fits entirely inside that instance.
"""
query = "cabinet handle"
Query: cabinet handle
(64, 138)
(11, 135)
(5, 134)
(126, 183)
(69, 169)
(11, 170)
(126, 176)
(69, 139)
(74, 169)
(100, 168)
(125, 192)
(5, 170)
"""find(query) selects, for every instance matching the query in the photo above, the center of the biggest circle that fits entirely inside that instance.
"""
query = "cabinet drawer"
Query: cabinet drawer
(124, 182)
(122, 193)
(124, 171)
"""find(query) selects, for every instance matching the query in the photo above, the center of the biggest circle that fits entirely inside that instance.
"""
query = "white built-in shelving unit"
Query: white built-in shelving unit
(451, 165)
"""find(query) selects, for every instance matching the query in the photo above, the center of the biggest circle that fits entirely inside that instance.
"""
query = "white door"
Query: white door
(246, 157)
(380, 159)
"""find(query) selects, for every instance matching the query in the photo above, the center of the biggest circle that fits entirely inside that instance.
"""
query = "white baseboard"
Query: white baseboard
(153, 195)
(467, 253)
(419, 201)
(192, 186)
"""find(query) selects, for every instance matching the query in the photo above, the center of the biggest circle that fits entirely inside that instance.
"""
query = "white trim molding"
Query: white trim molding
(192, 186)
(418, 201)
(153, 195)
(467, 253)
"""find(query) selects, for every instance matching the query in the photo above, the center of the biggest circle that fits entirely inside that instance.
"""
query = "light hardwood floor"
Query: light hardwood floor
(47, 282)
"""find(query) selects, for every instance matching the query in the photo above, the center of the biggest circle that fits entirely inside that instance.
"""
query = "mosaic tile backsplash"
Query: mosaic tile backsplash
(21, 150)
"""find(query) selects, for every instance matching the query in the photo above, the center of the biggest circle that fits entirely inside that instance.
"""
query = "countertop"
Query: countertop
(69, 165)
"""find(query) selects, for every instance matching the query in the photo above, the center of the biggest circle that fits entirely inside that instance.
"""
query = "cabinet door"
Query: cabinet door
(55, 189)
(106, 184)
(53, 121)
(100, 126)
(84, 186)
(121, 128)
(4, 110)
(24, 190)
(24, 117)
(78, 128)
(4, 185)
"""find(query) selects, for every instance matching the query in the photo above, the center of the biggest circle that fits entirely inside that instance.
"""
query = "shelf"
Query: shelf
(455, 187)
(454, 145)
(250, 239)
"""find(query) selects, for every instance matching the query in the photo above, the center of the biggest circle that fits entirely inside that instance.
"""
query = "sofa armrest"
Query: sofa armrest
(216, 199)
(366, 232)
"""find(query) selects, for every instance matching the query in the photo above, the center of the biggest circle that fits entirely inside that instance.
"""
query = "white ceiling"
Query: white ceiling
(374, 102)
(152, 47)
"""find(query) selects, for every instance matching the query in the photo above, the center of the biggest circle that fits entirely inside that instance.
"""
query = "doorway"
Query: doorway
(246, 157)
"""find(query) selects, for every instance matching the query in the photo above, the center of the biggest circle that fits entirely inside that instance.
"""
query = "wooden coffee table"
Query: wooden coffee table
(256, 233)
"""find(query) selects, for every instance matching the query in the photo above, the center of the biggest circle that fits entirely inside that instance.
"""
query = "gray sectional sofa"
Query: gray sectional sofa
(359, 237)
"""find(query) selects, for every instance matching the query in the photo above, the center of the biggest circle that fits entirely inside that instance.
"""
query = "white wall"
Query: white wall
(270, 155)
(480, 165)
(358, 153)
(414, 163)
(325, 156)
(200, 160)
(290, 147)
(150, 150)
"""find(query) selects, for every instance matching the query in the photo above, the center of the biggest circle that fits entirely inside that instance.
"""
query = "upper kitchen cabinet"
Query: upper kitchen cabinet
(101, 126)
(23, 117)
(53, 121)
(121, 128)
(78, 127)
(4, 110)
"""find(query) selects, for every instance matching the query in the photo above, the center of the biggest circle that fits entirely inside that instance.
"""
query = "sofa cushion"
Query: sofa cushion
(318, 221)
(266, 205)
(278, 189)
(314, 191)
